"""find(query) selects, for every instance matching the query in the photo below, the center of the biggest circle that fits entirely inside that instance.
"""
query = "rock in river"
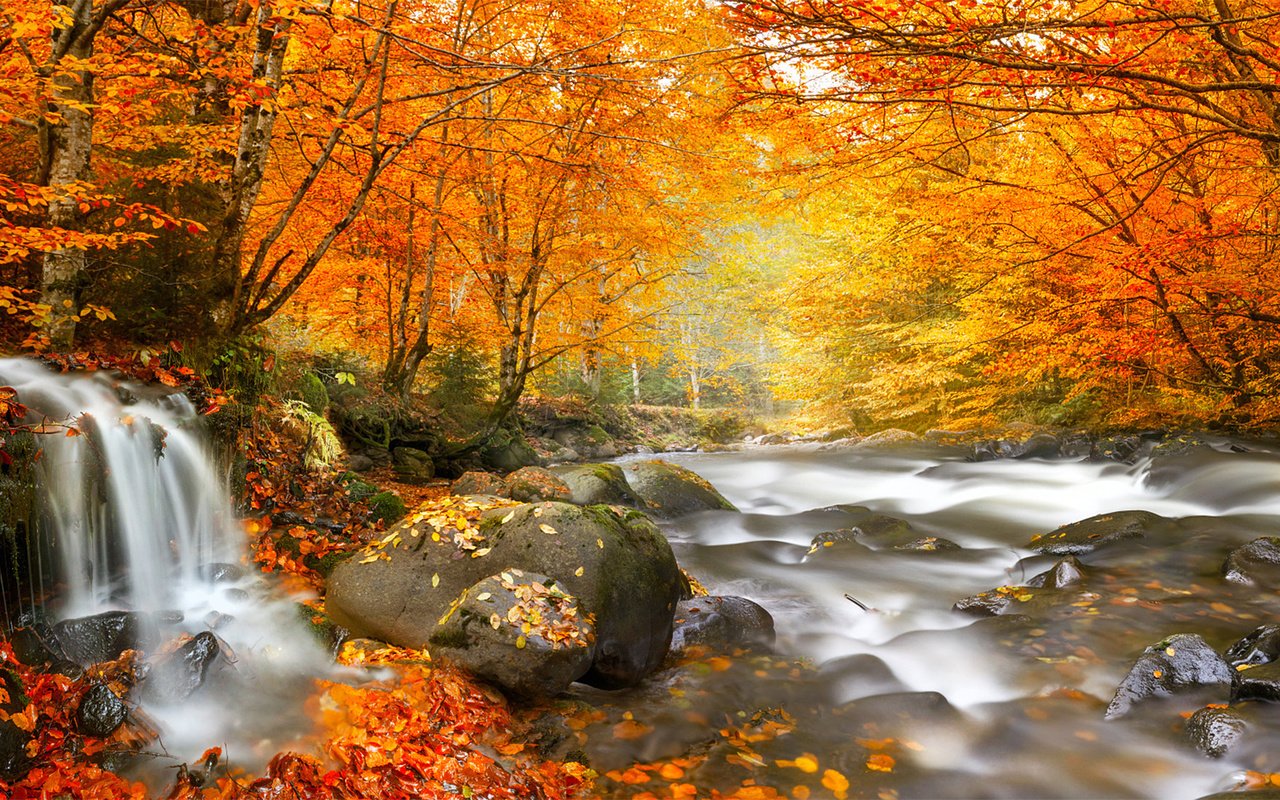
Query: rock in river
(1088, 535)
(617, 565)
(722, 624)
(669, 490)
(1215, 730)
(1182, 661)
(591, 484)
(100, 712)
(1255, 564)
(520, 631)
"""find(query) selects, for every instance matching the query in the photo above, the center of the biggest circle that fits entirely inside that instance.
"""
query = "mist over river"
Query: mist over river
(1025, 692)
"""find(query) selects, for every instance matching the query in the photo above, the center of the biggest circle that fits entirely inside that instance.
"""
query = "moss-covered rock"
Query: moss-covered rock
(592, 484)
(670, 490)
(387, 507)
(618, 566)
(313, 392)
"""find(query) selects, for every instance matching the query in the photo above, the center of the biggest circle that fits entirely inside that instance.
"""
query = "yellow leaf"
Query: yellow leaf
(520, 642)
(837, 783)
(878, 762)
(579, 571)
(545, 528)
(510, 515)
(435, 580)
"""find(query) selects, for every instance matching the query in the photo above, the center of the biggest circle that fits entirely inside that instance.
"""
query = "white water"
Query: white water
(992, 510)
(134, 514)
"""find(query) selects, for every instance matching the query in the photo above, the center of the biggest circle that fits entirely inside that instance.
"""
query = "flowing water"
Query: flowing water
(135, 517)
(1025, 697)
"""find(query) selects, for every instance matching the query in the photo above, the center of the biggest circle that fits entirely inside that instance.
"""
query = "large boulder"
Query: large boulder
(520, 631)
(475, 482)
(1182, 661)
(669, 490)
(617, 565)
(592, 484)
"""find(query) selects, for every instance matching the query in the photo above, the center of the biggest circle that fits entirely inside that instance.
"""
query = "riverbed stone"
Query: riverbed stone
(722, 624)
(670, 490)
(534, 485)
(1257, 683)
(1255, 564)
(518, 631)
(1261, 646)
(1179, 662)
(176, 676)
(100, 712)
(1214, 730)
(881, 532)
(617, 565)
(1067, 572)
(1085, 536)
(593, 484)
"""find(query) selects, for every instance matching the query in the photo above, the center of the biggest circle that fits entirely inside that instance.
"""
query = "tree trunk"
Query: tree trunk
(66, 145)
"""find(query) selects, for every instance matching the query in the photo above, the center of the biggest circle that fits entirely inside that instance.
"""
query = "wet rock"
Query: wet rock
(518, 631)
(1257, 683)
(178, 675)
(102, 637)
(857, 675)
(882, 532)
(618, 566)
(722, 624)
(412, 465)
(592, 484)
(1078, 538)
(1214, 731)
(32, 648)
(1124, 448)
(588, 440)
(534, 485)
(908, 708)
(1255, 564)
(475, 482)
(221, 573)
(67, 668)
(1182, 661)
(100, 712)
(14, 762)
(1067, 572)
(987, 604)
(669, 490)
(1262, 646)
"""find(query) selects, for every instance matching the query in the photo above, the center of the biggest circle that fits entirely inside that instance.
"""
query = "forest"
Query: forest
(384, 243)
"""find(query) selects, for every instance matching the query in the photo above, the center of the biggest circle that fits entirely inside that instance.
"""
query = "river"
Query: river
(1025, 696)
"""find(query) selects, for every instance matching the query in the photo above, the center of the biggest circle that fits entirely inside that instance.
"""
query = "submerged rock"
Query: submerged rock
(1215, 730)
(100, 712)
(1085, 536)
(669, 490)
(1182, 661)
(519, 631)
(617, 565)
(882, 532)
(1255, 564)
(722, 624)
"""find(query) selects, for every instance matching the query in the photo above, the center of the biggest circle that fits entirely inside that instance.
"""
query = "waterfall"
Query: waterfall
(132, 508)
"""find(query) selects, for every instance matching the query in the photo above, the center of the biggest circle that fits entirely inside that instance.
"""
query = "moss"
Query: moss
(328, 563)
(357, 488)
(387, 507)
(313, 393)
